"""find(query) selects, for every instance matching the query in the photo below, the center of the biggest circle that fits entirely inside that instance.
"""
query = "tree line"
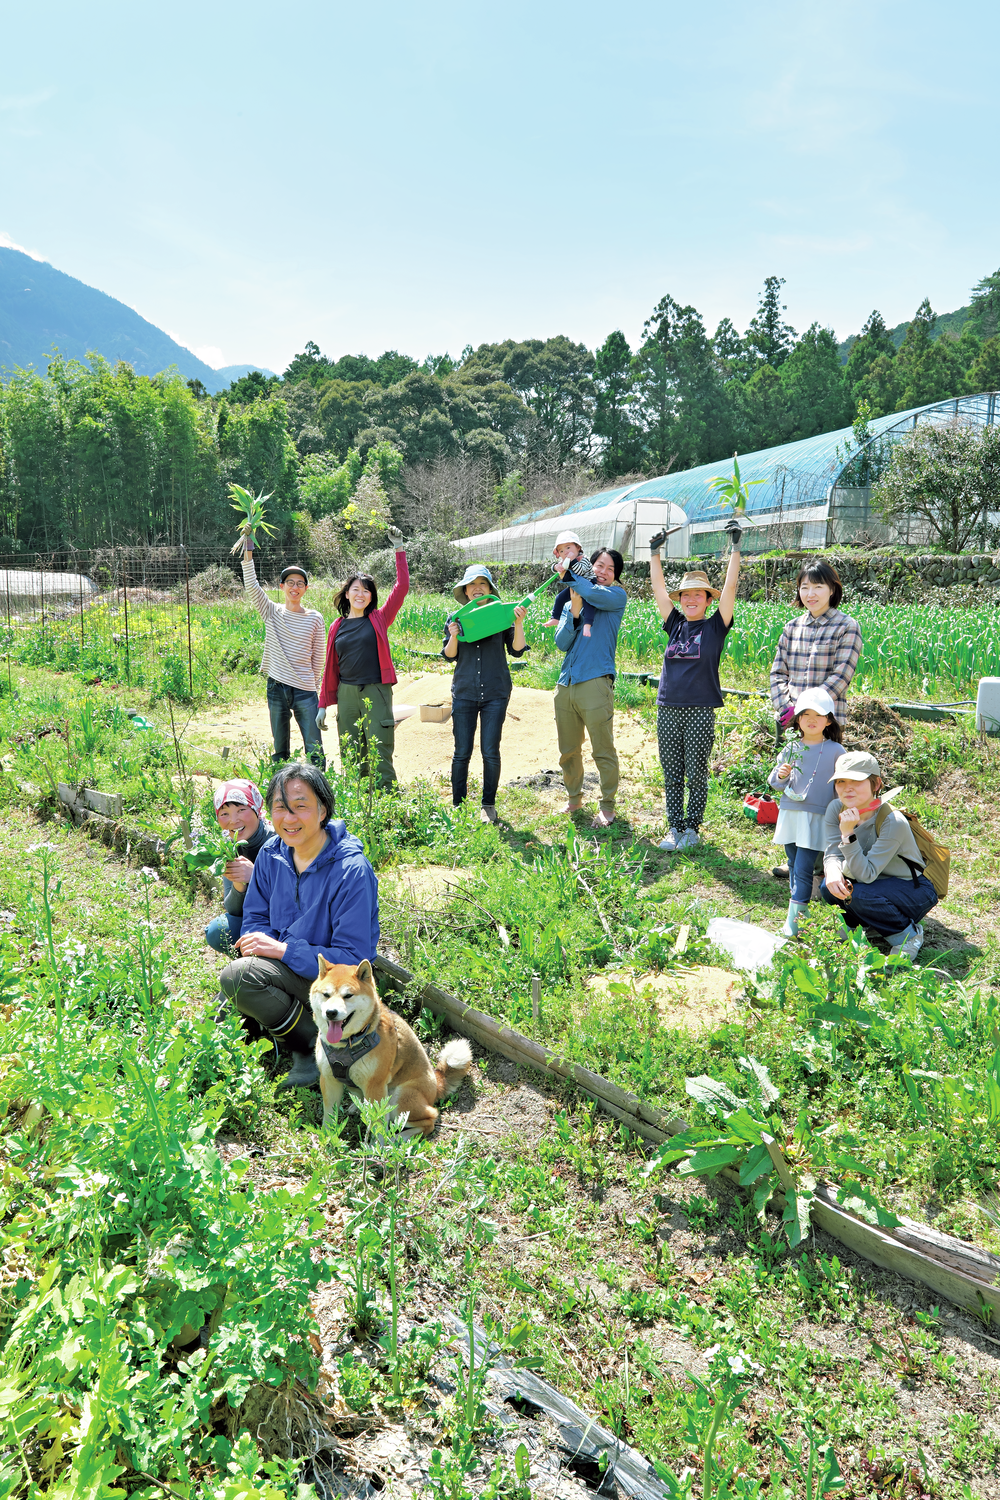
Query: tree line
(92, 454)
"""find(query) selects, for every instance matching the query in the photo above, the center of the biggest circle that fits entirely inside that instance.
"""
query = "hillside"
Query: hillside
(41, 307)
(951, 323)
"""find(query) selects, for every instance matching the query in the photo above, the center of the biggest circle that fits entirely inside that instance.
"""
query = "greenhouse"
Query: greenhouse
(814, 493)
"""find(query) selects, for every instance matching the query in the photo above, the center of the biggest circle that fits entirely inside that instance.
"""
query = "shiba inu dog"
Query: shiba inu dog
(362, 1041)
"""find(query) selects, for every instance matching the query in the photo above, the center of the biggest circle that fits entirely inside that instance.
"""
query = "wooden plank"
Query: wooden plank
(588, 1445)
(967, 1276)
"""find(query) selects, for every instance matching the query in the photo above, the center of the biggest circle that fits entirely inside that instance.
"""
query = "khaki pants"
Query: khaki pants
(587, 706)
(365, 725)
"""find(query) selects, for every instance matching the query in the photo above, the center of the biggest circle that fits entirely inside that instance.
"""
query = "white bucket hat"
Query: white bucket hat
(567, 536)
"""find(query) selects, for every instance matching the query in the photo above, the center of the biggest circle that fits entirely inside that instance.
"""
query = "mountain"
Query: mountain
(41, 307)
(952, 323)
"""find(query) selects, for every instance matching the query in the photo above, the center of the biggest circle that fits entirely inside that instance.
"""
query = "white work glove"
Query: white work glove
(395, 537)
(320, 718)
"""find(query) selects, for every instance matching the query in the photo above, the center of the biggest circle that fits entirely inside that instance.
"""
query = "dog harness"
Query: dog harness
(344, 1055)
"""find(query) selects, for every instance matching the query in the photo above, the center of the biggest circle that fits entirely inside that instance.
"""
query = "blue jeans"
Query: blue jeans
(222, 932)
(887, 905)
(801, 864)
(465, 714)
(283, 701)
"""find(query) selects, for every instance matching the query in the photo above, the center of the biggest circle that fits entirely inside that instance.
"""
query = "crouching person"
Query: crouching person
(239, 809)
(313, 893)
(873, 869)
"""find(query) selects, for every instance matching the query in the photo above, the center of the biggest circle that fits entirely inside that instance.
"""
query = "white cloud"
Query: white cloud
(6, 243)
(209, 355)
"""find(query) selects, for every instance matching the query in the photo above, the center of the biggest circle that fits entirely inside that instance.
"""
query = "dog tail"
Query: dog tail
(453, 1064)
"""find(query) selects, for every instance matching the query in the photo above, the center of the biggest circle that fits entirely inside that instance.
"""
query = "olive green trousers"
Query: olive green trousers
(366, 728)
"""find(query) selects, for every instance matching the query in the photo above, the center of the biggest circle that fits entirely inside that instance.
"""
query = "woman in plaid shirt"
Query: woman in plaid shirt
(820, 649)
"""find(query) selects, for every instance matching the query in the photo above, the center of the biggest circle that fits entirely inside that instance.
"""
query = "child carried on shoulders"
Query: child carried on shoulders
(802, 775)
(569, 546)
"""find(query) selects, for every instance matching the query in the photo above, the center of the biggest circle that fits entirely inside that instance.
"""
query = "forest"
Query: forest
(93, 455)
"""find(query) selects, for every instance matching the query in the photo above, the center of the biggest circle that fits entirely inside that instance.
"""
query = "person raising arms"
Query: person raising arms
(689, 691)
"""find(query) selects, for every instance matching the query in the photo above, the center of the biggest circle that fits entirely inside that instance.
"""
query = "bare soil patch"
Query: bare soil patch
(699, 999)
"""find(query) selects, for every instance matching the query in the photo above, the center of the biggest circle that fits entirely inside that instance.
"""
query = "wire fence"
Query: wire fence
(143, 616)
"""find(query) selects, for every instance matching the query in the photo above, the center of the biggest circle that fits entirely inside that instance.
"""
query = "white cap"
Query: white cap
(819, 700)
(567, 536)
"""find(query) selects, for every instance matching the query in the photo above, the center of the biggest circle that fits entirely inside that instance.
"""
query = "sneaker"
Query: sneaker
(780, 872)
(689, 839)
(670, 842)
(487, 814)
(910, 946)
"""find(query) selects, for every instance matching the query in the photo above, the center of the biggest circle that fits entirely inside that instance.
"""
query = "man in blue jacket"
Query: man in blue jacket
(313, 891)
(585, 696)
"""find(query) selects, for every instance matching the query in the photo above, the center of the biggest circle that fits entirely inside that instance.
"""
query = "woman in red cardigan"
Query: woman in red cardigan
(359, 673)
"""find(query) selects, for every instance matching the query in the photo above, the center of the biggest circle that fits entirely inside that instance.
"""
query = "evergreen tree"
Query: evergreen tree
(874, 342)
(622, 450)
(984, 373)
(813, 377)
(924, 364)
(683, 407)
(768, 336)
(985, 314)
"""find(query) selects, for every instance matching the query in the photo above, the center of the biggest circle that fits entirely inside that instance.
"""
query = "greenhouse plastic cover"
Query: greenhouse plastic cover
(796, 477)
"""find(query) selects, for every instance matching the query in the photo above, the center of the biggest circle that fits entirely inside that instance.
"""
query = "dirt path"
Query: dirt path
(424, 750)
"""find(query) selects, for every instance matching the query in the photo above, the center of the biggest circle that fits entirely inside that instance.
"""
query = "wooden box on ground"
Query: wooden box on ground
(435, 713)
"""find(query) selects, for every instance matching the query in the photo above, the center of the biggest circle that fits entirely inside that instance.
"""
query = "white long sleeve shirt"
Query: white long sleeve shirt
(294, 641)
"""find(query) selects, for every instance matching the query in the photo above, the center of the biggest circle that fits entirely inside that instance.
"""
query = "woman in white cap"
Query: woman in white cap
(802, 775)
(689, 691)
(480, 690)
(873, 869)
(239, 809)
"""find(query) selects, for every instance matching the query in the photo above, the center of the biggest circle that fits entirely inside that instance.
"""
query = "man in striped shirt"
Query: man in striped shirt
(293, 660)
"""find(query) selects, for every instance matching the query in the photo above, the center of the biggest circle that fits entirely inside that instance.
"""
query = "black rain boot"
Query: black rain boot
(300, 1039)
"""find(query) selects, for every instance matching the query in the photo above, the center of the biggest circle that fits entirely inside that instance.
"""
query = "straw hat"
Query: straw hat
(473, 571)
(696, 580)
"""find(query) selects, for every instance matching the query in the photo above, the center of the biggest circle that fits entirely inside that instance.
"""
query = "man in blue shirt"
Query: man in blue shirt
(585, 696)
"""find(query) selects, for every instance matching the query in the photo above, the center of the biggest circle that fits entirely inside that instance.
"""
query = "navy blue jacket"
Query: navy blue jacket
(331, 908)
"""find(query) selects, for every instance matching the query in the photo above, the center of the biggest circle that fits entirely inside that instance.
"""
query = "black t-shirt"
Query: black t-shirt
(357, 652)
(690, 676)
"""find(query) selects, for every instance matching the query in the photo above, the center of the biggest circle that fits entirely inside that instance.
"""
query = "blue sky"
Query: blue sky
(425, 176)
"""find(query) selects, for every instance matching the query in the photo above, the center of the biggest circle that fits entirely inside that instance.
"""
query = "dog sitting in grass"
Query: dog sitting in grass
(360, 1041)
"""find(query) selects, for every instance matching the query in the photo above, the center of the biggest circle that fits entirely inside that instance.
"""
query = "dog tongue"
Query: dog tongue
(334, 1031)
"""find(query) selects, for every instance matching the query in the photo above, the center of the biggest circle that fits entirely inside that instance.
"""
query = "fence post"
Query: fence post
(128, 661)
(10, 638)
(187, 595)
(79, 579)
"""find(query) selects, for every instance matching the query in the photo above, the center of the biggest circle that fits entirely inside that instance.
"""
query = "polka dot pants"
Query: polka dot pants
(684, 736)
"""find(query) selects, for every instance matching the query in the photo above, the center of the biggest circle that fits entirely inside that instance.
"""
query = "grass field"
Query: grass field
(153, 1185)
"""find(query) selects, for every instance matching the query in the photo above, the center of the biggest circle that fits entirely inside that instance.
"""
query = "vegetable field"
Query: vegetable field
(160, 646)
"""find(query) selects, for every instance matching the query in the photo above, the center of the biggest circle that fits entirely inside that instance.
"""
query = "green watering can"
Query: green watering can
(489, 616)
